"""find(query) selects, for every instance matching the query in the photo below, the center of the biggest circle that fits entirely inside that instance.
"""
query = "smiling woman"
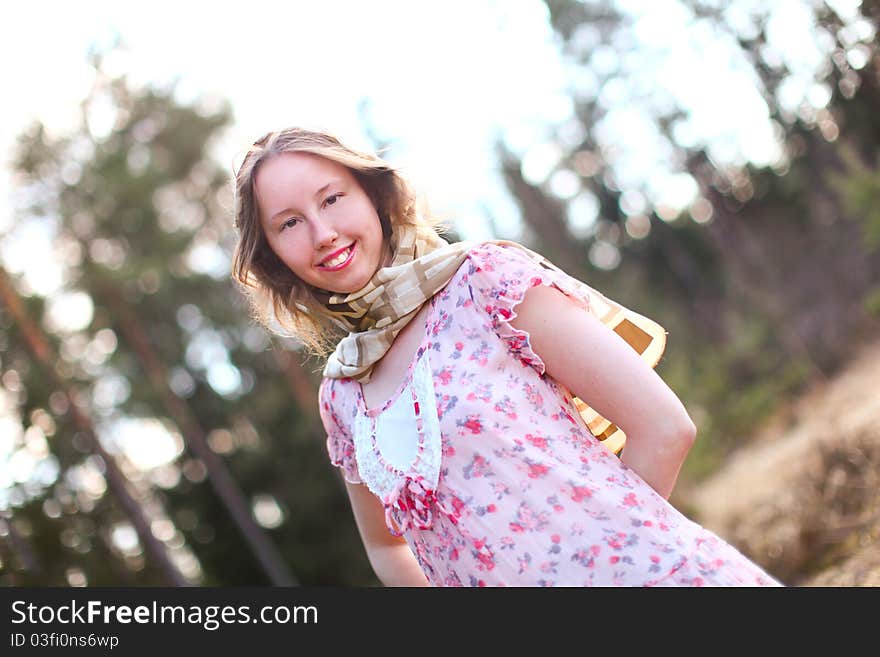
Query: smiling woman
(456, 406)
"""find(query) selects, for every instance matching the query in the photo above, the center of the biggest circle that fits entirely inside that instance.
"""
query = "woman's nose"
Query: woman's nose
(324, 233)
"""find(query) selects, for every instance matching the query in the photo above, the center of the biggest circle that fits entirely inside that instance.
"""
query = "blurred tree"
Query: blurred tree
(213, 424)
(133, 510)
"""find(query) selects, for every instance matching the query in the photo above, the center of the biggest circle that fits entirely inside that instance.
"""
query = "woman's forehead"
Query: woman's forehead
(292, 168)
(303, 165)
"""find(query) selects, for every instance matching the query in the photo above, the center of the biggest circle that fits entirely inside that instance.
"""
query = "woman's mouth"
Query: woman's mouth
(340, 261)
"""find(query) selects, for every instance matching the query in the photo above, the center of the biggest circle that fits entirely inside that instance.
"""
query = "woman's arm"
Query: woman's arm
(390, 556)
(598, 366)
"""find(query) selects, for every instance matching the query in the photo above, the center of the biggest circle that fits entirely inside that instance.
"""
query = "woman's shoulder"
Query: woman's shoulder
(501, 264)
(493, 256)
(479, 266)
(491, 250)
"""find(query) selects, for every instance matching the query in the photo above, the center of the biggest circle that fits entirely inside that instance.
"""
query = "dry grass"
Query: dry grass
(802, 497)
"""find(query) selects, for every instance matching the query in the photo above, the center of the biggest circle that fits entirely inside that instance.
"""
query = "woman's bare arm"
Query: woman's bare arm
(598, 366)
(390, 556)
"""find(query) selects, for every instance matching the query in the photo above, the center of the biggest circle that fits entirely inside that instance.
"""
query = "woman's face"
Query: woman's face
(319, 221)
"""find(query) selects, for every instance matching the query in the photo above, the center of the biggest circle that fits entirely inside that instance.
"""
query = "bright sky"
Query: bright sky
(442, 78)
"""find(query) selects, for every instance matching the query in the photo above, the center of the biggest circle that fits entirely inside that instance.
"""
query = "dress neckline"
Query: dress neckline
(407, 378)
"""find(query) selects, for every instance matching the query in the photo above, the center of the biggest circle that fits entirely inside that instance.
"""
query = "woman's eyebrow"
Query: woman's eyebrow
(316, 194)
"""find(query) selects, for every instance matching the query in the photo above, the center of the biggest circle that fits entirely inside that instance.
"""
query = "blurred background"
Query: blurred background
(712, 164)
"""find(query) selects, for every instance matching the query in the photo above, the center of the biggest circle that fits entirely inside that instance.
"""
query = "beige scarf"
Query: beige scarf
(422, 264)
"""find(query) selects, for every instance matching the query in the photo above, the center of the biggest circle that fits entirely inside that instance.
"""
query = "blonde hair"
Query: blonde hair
(279, 299)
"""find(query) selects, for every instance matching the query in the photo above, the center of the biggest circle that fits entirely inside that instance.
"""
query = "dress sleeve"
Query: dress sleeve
(499, 277)
(340, 445)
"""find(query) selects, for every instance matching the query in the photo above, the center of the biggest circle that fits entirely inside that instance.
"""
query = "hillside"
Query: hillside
(801, 497)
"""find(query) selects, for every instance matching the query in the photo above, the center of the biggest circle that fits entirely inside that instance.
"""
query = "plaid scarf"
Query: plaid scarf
(422, 264)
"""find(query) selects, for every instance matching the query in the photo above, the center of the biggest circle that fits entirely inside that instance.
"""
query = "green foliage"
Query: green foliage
(872, 302)
(729, 387)
(858, 187)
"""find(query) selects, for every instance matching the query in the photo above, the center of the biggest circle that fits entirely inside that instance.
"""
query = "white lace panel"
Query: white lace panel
(397, 443)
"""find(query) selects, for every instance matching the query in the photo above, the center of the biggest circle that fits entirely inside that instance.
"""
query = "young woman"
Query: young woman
(455, 397)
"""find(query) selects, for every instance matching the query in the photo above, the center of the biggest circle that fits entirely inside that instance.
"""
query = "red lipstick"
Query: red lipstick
(342, 265)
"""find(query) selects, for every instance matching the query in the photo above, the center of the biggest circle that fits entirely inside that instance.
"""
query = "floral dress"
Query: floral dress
(484, 466)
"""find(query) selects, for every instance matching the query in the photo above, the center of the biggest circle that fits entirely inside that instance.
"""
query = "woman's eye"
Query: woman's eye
(332, 199)
(289, 223)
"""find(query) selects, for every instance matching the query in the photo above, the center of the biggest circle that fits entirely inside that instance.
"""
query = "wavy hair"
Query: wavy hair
(279, 300)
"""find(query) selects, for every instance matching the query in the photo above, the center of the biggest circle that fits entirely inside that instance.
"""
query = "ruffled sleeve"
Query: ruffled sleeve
(499, 277)
(340, 445)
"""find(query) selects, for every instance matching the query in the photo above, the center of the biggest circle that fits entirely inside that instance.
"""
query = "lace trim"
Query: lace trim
(382, 477)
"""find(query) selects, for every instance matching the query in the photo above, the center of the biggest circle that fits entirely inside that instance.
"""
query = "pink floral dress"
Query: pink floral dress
(485, 467)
